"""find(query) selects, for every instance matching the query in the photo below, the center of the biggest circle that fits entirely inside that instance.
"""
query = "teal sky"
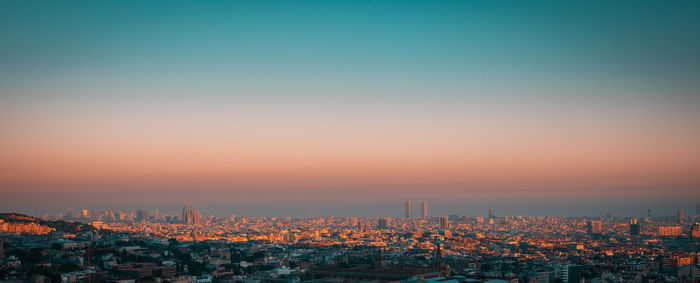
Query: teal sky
(350, 44)
(368, 98)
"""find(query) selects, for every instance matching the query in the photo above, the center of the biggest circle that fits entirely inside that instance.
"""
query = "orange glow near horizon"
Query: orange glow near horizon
(362, 147)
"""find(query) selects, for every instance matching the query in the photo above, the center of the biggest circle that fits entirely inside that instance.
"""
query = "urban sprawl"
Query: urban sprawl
(143, 246)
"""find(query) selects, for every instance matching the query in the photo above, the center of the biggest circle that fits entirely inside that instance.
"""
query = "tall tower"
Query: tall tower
(595, 227)
(438, 253)
(649, 213)
(444, 223)
(185, 214)
(424, 210)
(491, 214)
(408, 209)
(141, 215)
(196, 216)
(634, 226)
(190, 216)
(680, 215)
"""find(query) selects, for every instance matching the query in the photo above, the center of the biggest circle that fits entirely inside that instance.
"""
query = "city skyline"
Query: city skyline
(189, 212)
(106, 246)
(349, 107)
(349, 141)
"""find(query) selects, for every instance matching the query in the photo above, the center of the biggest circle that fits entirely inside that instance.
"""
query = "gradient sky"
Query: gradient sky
(350, 107)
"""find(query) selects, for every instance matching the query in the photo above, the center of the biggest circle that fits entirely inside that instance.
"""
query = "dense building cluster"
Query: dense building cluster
(345, 249)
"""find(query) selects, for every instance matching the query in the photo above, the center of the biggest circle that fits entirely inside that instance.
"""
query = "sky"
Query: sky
(350, 108)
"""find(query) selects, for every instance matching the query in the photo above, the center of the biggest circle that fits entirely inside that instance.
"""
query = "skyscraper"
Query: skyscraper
(141, 215)
(680, 215)
(634, 227)
(408, 209)
(190, 216)
(649, 213)
(595, 227)
(444, 223)
(424, 210)
(491, 214)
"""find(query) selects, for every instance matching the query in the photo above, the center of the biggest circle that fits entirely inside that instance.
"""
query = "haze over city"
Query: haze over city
(349, 141)
(350, 108)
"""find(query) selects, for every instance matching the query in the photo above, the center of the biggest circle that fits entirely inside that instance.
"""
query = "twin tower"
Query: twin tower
(423, 209)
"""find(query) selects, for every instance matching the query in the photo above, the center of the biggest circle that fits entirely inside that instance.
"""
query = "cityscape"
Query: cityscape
(349, 141)
(147, 246)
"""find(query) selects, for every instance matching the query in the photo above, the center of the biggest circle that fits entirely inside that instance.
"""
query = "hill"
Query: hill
(59, 225)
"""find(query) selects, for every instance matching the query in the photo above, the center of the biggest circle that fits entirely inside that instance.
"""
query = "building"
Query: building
(676, 261)
(379, 273)
(595, 227)
(424, 210)
(444, 223)
(649, 213)
(408, 209)
(362, 226)
(190, 216)
(383, 223)
(695, 232)
(680, 215)
(634, 227)
(141, 215)
(491, 216)
(542, 276)
(670, 231)
(569, 273)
